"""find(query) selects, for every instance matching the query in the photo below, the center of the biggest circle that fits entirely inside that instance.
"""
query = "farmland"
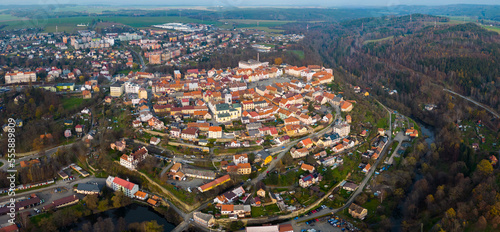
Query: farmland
(70, 24)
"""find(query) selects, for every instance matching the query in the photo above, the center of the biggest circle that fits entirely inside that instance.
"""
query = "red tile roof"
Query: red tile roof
(126, 184)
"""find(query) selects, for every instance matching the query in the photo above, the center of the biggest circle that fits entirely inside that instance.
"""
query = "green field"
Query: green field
(264, 25)
(378, 40)
(69, 24)
(492, 28)
(8, 17)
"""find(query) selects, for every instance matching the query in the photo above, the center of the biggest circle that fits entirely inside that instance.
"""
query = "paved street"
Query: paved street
(49, 195)
(400, 137)
(28, 157)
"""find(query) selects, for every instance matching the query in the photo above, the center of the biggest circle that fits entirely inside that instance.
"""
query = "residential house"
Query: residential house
(131, 161)
(345, 106)
(206, 220)
(309, 180)
(141, 195)
(241, 158)
(298, 153)
(291, 121)
(215, 132)
(175, 132)
(119, 145)
(136, 123)
(307, 143)
(264, 157)
(357, 211)
(244, 169)
(342, 129)
(282, 140)
(367, 168)
(190, 133)
(261, 193)
(307, 167)
(411, 132)
(238, 210)
(349, 186)
(155, 140)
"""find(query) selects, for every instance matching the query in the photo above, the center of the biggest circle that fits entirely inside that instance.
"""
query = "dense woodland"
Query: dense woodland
(445, 185)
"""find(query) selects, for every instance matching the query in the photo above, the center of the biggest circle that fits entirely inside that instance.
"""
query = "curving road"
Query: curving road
(20, 158)
(475, 102)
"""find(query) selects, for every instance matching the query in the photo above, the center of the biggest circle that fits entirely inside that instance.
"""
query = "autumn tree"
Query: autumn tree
(103, 205)
(278, 61)
(91, 201)
(118, 199)
(484, 168)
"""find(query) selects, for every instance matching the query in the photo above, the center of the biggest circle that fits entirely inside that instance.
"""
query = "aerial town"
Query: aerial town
(184, 126)
(224, 145)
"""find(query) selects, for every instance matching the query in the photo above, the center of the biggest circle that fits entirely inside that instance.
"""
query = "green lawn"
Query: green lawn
(383, 123)
(72, 102)
(298, 53)
(271, 209)
(258, 212)
(287, 179)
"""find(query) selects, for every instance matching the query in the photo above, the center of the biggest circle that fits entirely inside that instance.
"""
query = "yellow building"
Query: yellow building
(143, 93)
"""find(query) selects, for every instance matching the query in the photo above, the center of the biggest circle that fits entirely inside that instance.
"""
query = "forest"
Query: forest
(446, 186)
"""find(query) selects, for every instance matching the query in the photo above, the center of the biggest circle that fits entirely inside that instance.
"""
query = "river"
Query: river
(131, 213)
(428, 132)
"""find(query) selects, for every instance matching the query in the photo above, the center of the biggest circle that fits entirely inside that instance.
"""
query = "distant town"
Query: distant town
(206, 128)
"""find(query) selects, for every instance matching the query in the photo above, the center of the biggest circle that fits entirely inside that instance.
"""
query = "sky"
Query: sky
(241, 3)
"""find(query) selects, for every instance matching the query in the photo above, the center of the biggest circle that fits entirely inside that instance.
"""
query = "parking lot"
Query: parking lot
(60, 190)
(269, 81)
(319, 226)
(323, 223)
(193, 183)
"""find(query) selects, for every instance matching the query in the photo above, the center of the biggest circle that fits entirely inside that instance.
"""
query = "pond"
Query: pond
(131, 213)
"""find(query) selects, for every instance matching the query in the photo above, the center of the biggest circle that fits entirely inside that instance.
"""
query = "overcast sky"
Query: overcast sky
(254, 2)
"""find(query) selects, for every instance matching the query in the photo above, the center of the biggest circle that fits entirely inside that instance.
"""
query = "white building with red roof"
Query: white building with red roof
(131, 161)
(119, 184)
(20, 77)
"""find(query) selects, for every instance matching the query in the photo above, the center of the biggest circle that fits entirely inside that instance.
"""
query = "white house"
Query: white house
(118, 184)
